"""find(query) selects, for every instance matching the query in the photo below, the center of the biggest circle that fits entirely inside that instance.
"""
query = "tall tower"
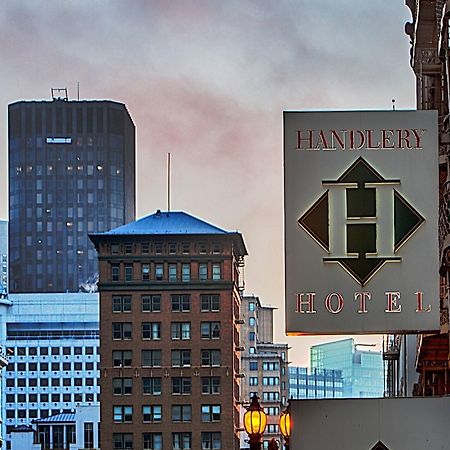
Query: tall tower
(71, 172)
(169, 334)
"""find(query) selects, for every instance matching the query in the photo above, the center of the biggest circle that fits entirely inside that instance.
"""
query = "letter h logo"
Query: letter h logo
(361, 221)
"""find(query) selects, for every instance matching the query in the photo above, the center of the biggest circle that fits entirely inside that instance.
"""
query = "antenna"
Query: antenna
(78, 90)
(393, 104)
(168, 182)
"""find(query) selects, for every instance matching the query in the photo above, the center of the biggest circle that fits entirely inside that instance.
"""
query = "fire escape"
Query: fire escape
(430, 62)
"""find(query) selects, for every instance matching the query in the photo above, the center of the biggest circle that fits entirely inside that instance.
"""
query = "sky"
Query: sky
(208, 81)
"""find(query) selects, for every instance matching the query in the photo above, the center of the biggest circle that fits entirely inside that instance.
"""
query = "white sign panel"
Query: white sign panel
(361, 214)
(415, 423)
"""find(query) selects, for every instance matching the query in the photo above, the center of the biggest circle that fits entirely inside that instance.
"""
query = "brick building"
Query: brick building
(169, 334)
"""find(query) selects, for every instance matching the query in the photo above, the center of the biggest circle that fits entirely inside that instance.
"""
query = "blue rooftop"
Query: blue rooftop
(166, 222)
(57, 418)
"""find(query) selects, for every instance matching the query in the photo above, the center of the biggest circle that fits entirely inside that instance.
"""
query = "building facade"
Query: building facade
(315, 383)
(169, 331)
(51, 342)
(3, 258)
(362, 371)
(69, 431)
(430, 61)
(71, 172)
(265, 365)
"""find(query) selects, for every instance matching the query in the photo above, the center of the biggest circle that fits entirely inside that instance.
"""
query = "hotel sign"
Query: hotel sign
(361, 212)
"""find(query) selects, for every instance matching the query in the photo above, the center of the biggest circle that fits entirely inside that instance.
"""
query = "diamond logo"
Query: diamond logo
(361, 221)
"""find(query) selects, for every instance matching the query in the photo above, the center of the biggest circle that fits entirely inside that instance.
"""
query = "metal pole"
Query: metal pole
(168, 181)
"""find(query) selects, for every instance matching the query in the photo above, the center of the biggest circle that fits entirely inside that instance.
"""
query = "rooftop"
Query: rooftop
(165, 222)
(170, 223)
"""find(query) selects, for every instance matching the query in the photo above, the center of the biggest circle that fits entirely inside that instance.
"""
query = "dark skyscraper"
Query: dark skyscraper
(71, 173)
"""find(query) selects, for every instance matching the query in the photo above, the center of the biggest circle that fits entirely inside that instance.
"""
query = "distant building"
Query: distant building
(264, 364)
(3, 258)
(315, 383)
(362, 371)
(51, 342)
(69, 431)
(71, 172)
(3, 363)
(169, 331)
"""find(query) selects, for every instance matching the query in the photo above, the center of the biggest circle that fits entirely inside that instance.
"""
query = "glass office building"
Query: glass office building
(315, 383)
(71, 173)
(362, 370)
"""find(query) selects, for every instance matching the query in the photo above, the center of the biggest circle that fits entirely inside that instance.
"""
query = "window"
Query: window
(272, 410)
(216, 272)
(181, 413)
(253, 365)
(268, 365)
(115, 272)
(123, 441)
(152, 413)
(181, 358)
(181, 330)
(172, 272)
(159, 272)
(181, 385)
(210, 385)
(252, 321)
(122, 330)
(181, 303)
(251, 336)
(88, 435)
(123, 414)
(202, 247)
(151, 330)
(210, 302)
(251, 306)
(158, 248)
(210, 330)
(185, 248)
(210, 357)
(273, 428)
(186, 273)
(211, 440)
(145, 272)
(271, 396)
(210, 413)
(253, 381)
(172, 248)
(122, 386)
(128, 248)
(121, 303)
(128, 272)
(216, 248)
(151, 303)
(252, 350)
(152, 441)
(115, 249)
(151, 385)
(151, 358)
(145, 248)
(203, 271)
(271, 381)
(181, 441)
(122, 358)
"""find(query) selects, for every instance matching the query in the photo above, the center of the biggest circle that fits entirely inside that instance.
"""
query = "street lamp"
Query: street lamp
(286, 425)
(255, 421)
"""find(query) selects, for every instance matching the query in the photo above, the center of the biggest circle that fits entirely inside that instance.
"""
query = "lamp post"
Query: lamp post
(255, 421)
(286, 425)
